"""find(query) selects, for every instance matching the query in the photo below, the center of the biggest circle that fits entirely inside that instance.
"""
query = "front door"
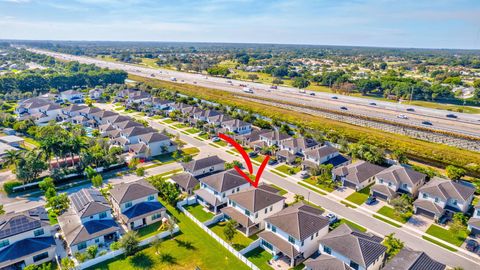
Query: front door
(144, 221)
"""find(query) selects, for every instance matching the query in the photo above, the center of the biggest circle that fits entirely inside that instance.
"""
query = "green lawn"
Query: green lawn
(239, 241)
(260, 258)
(192, 130)
(390, 212)
(439, 244)
(312, 181)
(190, 151)
(284, 168)
(314, 190)
(282, 191)
(387, 221)
(347, 204)
(180, 125)
(157, 117)
(349, 223)
(446, 235)
(359, 197)
(149, 230)
(204, 136)
(221, 143)
(167, 121)
(197, 211)
(191, 248)
(164, 159)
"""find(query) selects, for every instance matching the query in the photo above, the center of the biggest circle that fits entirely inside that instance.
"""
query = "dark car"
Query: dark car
(451, 115)
(371, 200)
(373, 103)
(427, 123)
(472, 245)
(312, 94)
(253, 154)
(272, 162)
(344, 108)
(334, 97)
(410, 109)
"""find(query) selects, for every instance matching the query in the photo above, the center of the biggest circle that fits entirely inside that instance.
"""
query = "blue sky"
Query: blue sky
(402, 23)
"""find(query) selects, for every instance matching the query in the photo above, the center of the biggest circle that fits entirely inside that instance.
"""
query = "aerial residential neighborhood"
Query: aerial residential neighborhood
(263, 135)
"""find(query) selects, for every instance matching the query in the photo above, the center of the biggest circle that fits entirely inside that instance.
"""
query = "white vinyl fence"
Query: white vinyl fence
(115, 253)
(216, 237)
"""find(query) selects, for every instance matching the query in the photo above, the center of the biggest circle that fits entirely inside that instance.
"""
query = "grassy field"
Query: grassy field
(191, 248)
(167, 121)
(427, 152)
(239, 241)
(446, 235)
(150, 230)
(197, 211)
(390, 213)
(260, 258)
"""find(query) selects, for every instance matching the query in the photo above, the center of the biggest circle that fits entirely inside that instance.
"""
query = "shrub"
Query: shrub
(10, 185)
(140, 171)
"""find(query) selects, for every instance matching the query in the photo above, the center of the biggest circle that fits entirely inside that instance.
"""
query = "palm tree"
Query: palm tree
(11, 157)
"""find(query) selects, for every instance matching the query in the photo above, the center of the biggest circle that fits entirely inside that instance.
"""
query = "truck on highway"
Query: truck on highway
(248, 90)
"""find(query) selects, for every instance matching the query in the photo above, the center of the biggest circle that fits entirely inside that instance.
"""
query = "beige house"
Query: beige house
(26, 238)
(397, 180)
(136, 204)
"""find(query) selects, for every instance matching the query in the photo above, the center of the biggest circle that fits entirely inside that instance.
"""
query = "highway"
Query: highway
(464, 124)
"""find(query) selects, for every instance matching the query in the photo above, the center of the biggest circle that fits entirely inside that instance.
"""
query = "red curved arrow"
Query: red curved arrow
(239, 149)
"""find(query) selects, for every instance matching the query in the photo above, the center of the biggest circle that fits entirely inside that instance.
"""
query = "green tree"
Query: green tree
(97, 180)
(11, 157)
(31, 267)
(298, 198)
(59, 203)
(277, 81)
(252, 77)
(92, 251)
(455, 173)
(400, 156)
(46, 184)
(30, 167)
(2, 211)
(394, 245)
(300, 83)
(402, 205)
(129, 242)
(229, 231)
(67, 263)
(458, 223)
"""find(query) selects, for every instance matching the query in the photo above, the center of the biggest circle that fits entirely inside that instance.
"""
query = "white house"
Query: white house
(474, 221)
(72, 96)
(203, 166)
(237, 126)
(356, 175)
(397, 179)
(323, 155)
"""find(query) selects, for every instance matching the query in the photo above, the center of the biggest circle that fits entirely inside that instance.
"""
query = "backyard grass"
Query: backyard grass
(260, 258)
(439, 244)
(314, 182)
(350, 224)
(149, 230)
(192, 130)
(284, 168)
(190, 249)
(239, 241)
(197, 211)
(446, 235)
(190, 151)
(359, 197)
(390, 213)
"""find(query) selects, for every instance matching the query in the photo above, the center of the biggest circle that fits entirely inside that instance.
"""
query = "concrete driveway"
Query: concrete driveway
(420, 222)
(343, 192)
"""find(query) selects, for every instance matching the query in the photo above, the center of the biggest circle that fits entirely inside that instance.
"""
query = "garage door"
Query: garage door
(475, 231)
(349, 184)
(380, 196)
(425, 213)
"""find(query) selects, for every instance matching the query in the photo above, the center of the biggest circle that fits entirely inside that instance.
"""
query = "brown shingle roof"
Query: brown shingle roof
(358, 172)
(224, 181)
(398, 174)
(185, 180)
(126, 192)
(448, 189)
(255, 199)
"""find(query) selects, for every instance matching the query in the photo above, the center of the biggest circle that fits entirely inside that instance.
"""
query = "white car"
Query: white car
(402, 116)
(331, 217)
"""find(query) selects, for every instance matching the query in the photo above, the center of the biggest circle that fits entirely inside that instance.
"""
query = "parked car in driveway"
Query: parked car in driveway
(215, 139)
(272, 161)
(304, 174)
(253, 154)
(331, 217)
(371, 200)
(472, 245)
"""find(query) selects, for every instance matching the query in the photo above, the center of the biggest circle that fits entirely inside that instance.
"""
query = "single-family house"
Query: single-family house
(26, 238)
(203, 166)
(293, 233)
(359, 250)
(409, 259)
(291, 148)
(397, 179)
(250, 207)
(185, 182)
(100, 115)
(88, 221)
(95, 94)
(136, 204)
(474, 221)
(72, 96)
(325, 262)
(152, 144)
(357, 175)
(325, 154)
(215, 188)
(440, 196)
(273, 137)
(237, 126)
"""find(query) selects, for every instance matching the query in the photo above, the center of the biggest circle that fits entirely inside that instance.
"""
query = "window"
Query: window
(327, 250)
(268, 225)
(156, 216)
(256, 215)
(271, 208)
(478, 212)
(404, 185)
(267, 245)
(247, 213)
(151, 198)
(103, 215)
(128, 204)
(381, 181)
(238, 189)
(354, 265)
(82, 245)
(234, 204)
(274, 229)
(4, 243)
(436, 200)
(311, 237)
(425, 195)
(454, 202)
(266, 210)
(291, 239)
(389, 184)
(97, 240)
(40, 256)
(38, 232)
(302, 243)
(316, 235)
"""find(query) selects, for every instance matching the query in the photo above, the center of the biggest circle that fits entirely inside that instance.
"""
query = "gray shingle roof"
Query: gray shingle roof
(299, 220)
(398, 174)
(224, 181)
(126, 192)
(408, 259)
(448, 189)
(326, 262)
(255, 199)
(203, 163)
(275, 135)
(301, 142)
(362, 248)
(321, 152)
(137, 130)
(358, 172)
(185, 180)
(154, 137)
